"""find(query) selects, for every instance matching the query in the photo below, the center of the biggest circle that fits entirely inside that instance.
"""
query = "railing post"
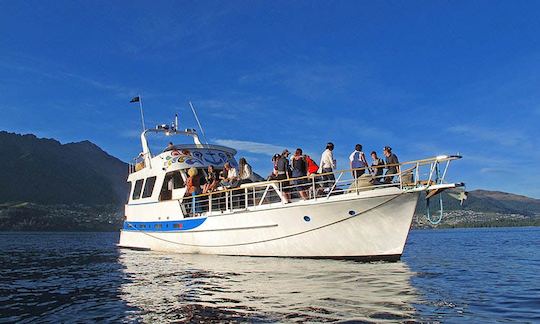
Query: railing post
(417, 175)
(313, 186)
(355, 179)
(209, 203)
(400, 176)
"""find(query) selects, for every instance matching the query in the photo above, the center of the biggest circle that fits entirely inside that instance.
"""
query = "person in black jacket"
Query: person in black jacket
(283, 170)
(392, 164)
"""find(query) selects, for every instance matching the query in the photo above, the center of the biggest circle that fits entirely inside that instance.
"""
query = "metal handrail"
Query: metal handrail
(258, 191)
(417, 163)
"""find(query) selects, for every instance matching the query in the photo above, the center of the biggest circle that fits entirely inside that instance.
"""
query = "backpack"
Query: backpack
(312, 167)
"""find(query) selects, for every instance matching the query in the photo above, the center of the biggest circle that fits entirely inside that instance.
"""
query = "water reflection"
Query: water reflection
(165, 287)
(55, 277)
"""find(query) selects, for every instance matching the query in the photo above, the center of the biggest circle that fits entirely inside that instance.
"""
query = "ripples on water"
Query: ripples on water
(447, 276)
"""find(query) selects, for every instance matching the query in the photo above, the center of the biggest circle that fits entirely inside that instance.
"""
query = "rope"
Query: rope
(428, 214)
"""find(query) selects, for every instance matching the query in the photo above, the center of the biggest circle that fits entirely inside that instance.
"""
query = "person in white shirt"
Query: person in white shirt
(245, 172)
(328, 165)
(358, 160)
(231, 176)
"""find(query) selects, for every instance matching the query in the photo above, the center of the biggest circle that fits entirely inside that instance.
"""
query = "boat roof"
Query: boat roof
(195, 155)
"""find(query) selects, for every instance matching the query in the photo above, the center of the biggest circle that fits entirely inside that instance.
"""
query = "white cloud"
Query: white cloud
(498, 136)
(130, 134)
(495, 170)
(45, 69)
(252, 147)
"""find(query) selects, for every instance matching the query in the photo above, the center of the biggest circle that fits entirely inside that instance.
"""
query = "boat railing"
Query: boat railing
(411, 175)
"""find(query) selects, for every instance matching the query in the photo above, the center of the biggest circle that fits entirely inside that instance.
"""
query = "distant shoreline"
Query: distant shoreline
(440, 227)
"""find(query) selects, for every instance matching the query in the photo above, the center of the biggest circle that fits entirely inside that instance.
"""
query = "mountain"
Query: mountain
(46, 185)
(482, 208)
(44, 171)
(485, 201)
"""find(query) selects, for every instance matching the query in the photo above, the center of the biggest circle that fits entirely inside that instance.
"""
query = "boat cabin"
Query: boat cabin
(163, 177)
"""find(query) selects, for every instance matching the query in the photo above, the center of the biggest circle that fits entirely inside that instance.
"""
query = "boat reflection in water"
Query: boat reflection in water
(164, 287)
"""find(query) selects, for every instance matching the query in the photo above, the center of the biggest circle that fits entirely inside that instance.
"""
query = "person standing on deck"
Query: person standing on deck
(328, 165)
(392, 164)
(193, 186)
(358, 160)
(283, 173)
(299, 170)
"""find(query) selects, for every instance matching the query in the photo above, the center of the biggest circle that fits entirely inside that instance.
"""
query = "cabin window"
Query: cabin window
(173, 180)
(130, 184)
(178, 181)
(149, 187)
(137, 189)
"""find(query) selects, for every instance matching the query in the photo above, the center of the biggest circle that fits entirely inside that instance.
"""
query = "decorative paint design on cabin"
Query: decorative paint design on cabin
(200, 158)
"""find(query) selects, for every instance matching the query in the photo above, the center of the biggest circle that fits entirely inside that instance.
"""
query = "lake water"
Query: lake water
(475, 275)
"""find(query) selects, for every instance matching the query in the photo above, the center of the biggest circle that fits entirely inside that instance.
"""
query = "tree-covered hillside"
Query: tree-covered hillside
(44, 171)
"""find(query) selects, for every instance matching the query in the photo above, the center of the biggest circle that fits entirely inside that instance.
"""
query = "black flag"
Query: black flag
(135, 99)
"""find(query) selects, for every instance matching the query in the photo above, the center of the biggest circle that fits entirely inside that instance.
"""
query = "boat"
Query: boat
(365, 219)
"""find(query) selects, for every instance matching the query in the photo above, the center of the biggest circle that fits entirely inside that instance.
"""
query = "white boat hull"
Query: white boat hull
(373, 226)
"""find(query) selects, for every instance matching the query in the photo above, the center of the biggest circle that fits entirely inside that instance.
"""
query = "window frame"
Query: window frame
(137, 189)
(149, 189)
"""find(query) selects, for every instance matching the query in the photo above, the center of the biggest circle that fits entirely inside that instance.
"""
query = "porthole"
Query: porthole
(352, 212)
(307, 218)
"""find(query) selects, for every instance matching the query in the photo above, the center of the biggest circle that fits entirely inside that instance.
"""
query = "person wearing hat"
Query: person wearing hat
(392, 164)
(328, 165)
(283, 170)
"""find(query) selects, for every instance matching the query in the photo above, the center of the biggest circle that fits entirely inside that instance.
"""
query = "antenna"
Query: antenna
(142, 113)
(198, 122)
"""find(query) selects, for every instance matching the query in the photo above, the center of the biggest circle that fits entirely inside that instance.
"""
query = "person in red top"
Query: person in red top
(312, 167)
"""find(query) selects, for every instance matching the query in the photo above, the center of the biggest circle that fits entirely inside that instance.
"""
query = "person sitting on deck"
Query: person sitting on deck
(392, 164)
(212, 180)
(245, 172)
(377, 167)
(230, 176)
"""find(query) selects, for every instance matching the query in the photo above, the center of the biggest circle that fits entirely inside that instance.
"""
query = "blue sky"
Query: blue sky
(425, 77)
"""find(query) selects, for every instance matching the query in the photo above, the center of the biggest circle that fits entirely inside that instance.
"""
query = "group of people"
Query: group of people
(229, 177)
(302, 165)
(292, 171)
(360, 166)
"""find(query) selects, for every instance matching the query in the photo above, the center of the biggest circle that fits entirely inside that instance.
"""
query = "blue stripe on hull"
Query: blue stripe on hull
(165, 226)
